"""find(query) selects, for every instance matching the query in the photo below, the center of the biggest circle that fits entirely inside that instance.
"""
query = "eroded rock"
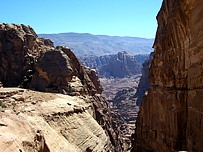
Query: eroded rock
(19, 51)
(34, 63)
(170, 117)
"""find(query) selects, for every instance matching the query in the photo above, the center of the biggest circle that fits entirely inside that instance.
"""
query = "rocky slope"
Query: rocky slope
(170, 118)
(84, 44)
(79, 119)
(114, 85)
(43, 122)
(95, 62)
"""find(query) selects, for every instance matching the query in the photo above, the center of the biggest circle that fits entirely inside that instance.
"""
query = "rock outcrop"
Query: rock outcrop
(59, 70)
(117, 65)
(141, 58)
(170, 118)
(19, 51)
(34, 63)
(120, 66)
(43, 122)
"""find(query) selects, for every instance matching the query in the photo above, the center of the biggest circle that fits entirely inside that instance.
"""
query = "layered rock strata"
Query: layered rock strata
(31, 62)
(42, 122)
(170, 118)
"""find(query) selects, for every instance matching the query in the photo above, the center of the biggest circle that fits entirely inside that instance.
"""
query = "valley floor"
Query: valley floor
(120, 95)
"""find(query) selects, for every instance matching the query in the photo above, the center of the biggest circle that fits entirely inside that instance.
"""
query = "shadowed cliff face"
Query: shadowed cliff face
(170, 118)
(19, 51)
(144, 80)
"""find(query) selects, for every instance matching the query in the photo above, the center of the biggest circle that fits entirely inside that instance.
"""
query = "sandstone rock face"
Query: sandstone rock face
(19, 51)
(43, 122)
(59, 70)
(56, 70)
(170, 118)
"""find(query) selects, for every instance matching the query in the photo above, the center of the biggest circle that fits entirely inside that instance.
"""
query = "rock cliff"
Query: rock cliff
(170, 118)
(75, 120)
(19, 51)
(144, 80)
(59, 70)
(116, 65)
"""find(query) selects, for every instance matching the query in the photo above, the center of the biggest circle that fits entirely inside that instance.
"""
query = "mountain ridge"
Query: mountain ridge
(93, 35)
(86, 44)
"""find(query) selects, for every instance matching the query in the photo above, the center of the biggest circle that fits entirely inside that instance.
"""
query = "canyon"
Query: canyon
(120, 75)
(170, 117)
(50, 101)
(74, 92)
(118, 62)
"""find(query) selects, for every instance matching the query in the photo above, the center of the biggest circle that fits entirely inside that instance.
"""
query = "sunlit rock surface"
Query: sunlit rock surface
(170, 117)
(34, 121)
(77, 119)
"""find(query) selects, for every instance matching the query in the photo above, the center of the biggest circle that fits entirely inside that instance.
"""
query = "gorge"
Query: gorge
(50, 101)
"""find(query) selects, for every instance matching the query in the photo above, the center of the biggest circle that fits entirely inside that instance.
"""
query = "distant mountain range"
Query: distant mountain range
(86, 45)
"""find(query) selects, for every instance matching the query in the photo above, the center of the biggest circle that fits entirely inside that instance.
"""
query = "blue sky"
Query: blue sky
(107, 17)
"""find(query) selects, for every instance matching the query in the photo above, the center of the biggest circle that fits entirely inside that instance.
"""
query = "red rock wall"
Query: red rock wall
(171, 115)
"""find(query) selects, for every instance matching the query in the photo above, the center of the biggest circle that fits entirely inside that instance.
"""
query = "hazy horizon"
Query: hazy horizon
(114, 18)
(92, 34)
